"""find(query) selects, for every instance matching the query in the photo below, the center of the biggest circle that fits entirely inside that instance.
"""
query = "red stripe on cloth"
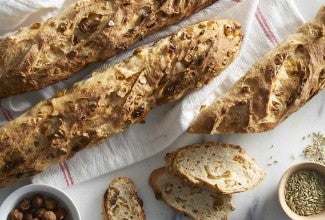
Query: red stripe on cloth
(266, 28)
(5, 112)
(64, 174)
(63, 166)
(68, 172)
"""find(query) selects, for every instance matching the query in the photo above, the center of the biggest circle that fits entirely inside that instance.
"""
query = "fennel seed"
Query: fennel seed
(316, 150)
(305, 192)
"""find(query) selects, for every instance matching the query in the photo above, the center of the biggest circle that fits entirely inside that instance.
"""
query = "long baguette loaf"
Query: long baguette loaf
(115, 98)
(275, 87)
(85, 32)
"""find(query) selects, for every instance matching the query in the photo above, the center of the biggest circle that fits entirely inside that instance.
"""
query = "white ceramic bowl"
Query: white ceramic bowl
(27, 191)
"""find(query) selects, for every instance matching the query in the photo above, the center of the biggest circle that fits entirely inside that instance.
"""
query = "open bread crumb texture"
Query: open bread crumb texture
(221, 167)
(121, 201)
(196, 202)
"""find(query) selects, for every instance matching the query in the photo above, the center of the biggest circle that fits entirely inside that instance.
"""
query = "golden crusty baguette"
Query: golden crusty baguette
(85, 32)
(273, 88)
(115, 98)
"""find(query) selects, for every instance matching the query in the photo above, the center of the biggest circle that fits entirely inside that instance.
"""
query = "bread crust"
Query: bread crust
(173, 165)
(114, 195)
(156, 189)
(85, 32)
(162, 194)
(276, 86)
(115, 98)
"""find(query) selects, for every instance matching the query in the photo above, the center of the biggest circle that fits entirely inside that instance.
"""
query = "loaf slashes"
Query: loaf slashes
(273, 88)
(85, 32)
(115, 98)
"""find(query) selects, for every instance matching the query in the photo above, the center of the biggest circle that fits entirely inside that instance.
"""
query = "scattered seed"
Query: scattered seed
(316, 150)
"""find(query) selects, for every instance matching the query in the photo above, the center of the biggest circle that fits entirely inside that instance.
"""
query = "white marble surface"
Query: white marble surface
(284, 144)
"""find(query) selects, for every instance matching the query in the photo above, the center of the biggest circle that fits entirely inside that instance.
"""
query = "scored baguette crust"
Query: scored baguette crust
(196, 202)
(85, 32)
(121, 201)
(115, 98)
(224, 168)
(273, 88)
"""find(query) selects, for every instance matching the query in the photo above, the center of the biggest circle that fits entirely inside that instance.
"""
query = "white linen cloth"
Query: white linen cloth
(265, 23)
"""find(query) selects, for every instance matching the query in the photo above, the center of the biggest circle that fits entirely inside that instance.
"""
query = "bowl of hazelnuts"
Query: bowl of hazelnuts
(38, 202)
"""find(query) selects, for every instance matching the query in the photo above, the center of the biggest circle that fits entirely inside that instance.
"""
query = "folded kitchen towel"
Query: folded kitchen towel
(265, 23)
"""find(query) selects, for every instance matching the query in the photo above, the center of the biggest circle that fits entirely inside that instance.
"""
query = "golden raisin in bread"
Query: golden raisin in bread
(276, 86)
(224, 168)
(83, 33)
(114, 98)
(196, 202)
(121, 201)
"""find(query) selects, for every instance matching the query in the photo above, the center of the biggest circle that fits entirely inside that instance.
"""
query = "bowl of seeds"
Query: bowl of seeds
(301, 191)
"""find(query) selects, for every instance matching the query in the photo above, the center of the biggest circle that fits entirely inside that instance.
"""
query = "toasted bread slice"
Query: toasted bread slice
(121, 201)
(222, 167)
(196, 202)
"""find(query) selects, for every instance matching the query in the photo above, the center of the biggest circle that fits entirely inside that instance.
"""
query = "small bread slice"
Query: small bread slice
(121, 201)
(196, 202)
(222, 167)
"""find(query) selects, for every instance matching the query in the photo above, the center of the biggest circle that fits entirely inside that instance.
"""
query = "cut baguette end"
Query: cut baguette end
(121, 201)
(196, 202)
(220, 167)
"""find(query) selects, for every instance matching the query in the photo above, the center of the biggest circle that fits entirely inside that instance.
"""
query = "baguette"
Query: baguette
(121, 201)
(222, 168)
(85, 32)
(273, 88)
(115, 98)
(198, 203)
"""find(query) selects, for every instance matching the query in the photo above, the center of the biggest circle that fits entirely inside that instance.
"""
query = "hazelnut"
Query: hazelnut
(25, 204)
(40, 212)
(16, 215)
(49, 215)
(37, 201)
(218, 202)
(60, 213)
(36, 218)
(28, 216)
(50, 204)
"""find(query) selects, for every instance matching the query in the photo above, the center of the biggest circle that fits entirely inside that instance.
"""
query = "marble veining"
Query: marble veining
(252, 210)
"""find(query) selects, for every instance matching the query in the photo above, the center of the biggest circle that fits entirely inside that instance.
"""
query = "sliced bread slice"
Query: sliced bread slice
(222, 167)
(196, 202)
(121, 201)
